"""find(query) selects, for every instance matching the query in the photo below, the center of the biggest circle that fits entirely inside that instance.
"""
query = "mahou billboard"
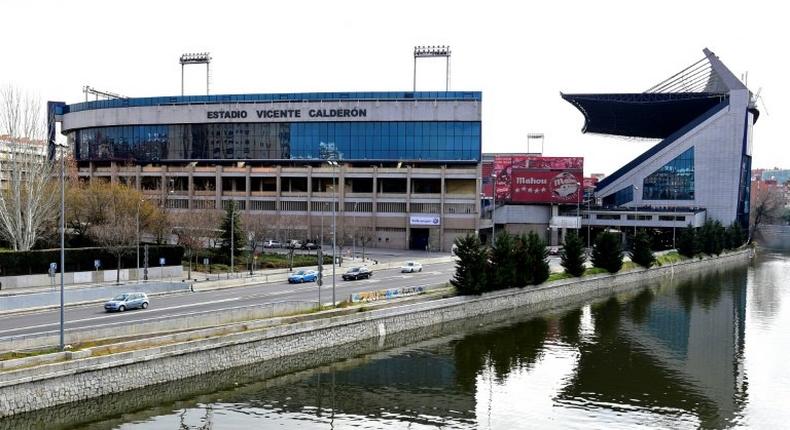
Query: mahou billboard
(545, 186)
(533, 179)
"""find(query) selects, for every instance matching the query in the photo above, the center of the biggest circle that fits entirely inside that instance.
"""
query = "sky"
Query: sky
(521, 55)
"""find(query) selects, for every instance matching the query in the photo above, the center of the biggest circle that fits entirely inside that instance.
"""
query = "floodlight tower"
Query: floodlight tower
(195, 58)
(429, 52)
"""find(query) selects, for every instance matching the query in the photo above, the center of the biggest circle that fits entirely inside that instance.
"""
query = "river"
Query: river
(710, 351)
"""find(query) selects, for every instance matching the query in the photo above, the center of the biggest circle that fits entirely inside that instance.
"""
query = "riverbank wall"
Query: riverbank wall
(29, 389)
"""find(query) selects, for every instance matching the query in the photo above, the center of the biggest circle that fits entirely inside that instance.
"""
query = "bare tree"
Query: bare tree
(767, 204)
(194, 230)
(365, 236)
(28, 198)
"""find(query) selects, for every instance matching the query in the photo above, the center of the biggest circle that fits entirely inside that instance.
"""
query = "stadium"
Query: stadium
(700, 168)
(402, 168)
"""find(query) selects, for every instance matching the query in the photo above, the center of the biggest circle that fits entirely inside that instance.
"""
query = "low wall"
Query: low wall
(9, 302)
(79, 379)
(92, 277)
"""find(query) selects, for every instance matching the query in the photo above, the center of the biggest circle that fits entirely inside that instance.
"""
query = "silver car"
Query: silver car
(125, 301)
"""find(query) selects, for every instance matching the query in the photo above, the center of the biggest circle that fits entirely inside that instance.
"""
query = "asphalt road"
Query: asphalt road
(91, 316)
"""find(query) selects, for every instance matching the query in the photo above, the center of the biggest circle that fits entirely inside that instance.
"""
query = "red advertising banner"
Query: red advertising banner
(546, 186)
(505, 166)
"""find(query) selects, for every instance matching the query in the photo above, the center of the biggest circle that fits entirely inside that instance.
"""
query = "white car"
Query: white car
(411, 267)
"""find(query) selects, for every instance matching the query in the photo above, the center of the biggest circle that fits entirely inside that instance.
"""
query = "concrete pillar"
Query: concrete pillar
(248, 191)
(374, 201)
(164, 186)
(554, 240)
(408, 206)
(138, 172)
(218, 187)
(309, 201)
(278, 195)
(113, 172)
(191, 187)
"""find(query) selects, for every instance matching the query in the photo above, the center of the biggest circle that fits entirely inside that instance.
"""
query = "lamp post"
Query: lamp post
(334, 225)
(232, 228)
(139, 202)
(493, 209)
(62, 244)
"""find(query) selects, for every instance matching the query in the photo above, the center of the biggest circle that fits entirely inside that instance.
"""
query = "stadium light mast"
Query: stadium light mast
(535, 136)
(195, 58)
(432, 52)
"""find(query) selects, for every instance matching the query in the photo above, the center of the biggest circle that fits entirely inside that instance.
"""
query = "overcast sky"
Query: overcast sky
(521, 56)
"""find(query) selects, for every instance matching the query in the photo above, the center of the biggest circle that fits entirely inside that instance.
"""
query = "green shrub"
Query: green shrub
(607, 252)
(572, 255)
(472, 265)
(81, 259)
(687, 242)
(503, 264)
(641, 253)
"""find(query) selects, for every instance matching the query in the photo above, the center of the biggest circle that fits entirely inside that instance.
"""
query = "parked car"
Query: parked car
(554, 250)
(310, 246)
(411, 267)
(301, 276)
(125, 301)
(355, 273)
(295, 244)
(272, 244)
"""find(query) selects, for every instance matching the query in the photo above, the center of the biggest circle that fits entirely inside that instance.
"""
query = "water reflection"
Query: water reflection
(670, 356)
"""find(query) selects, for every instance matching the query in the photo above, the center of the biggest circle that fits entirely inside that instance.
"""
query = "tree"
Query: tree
(29, 196)
(503, 265)
(572, 255)
(471, 268)
(536, 265)
(117, 233)
(642, 254)
(520, 256)
(232, 222)
(711, 237)
(194, 230)
(607, 252)
(365, 236)
(688, 243)
(734, 236)
(767, 205)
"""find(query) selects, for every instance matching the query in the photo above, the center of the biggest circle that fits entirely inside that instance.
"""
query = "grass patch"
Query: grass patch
(12, 355)
(558, 276)
(669, 258)
(594, 271)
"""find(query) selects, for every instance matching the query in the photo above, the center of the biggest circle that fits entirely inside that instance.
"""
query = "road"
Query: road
(91, 316)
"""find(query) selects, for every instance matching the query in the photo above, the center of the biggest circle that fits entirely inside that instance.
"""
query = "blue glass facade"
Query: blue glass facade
(673, 181)
(458, 141)
(619, 198)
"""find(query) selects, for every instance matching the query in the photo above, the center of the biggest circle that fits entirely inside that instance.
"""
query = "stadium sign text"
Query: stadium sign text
(287, 113)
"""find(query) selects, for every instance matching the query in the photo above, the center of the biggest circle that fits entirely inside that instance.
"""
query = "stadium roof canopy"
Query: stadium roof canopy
(662, 109)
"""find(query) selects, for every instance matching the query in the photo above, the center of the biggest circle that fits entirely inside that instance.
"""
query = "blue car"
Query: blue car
(303, 276)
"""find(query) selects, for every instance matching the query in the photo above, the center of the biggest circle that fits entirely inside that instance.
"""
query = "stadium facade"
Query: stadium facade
(704, 117)
(403, 168)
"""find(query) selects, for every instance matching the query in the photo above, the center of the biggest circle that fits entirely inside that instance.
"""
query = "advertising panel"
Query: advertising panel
(429, 220)
(545, 186)
(539, 169)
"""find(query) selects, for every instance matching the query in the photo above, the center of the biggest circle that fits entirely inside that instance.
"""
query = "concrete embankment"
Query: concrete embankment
(76, 379)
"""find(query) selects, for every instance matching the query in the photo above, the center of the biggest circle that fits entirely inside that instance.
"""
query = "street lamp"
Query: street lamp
(493, 209)
(139, 202)
(334, 225)
(62, 242)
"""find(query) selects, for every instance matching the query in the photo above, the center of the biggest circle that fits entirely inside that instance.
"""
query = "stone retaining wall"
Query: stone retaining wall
(58, 383)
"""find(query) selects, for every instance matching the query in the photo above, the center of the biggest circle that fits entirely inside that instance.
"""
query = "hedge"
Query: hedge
(81, 259)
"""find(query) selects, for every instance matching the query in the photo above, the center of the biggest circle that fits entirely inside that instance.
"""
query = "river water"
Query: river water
(709, 351)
